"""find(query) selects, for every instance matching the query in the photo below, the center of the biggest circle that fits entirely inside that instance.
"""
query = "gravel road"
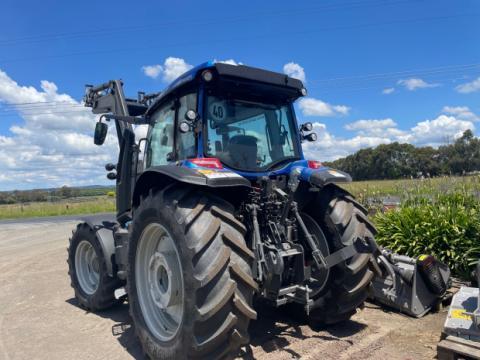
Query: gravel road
(40, 319)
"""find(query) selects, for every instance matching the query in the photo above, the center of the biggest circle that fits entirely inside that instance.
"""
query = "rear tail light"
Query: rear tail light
(313, 164)
(211, 163)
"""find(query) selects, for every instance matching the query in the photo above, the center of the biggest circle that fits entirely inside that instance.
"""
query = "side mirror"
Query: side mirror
(100, 134)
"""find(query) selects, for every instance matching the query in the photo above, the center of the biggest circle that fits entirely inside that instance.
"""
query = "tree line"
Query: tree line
(24, 196)
(64, 192)
(395, 160)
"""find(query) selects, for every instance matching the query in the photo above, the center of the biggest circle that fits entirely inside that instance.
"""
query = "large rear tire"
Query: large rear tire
(210, 272)
(94, 288)
(342, 221)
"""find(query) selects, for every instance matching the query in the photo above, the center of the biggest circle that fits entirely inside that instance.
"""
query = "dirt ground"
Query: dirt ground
(40, 319)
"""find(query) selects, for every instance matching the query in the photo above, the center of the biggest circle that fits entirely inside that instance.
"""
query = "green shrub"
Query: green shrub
(447, 226)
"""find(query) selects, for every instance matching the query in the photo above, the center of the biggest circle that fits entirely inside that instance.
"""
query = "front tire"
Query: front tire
(211, 271)
(94, 288)
(342, 221)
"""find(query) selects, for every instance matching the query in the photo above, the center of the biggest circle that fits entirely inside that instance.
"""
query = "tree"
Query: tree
(393, 161)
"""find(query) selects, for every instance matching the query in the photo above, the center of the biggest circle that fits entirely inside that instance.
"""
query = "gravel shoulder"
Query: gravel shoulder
(40, 319)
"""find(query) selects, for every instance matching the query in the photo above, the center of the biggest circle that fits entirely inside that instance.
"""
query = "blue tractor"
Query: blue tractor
(216, 207)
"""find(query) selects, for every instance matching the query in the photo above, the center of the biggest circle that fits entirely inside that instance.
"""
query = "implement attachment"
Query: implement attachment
(412, 286)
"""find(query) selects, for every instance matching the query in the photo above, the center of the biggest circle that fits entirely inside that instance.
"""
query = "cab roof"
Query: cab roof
(240, 72)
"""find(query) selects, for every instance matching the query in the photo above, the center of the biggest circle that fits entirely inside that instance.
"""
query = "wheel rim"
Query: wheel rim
(87, 267)
(159, 279)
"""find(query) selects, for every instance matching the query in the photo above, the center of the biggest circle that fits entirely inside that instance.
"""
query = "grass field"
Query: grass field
(407, 189)
(365, 191)
(89, 205)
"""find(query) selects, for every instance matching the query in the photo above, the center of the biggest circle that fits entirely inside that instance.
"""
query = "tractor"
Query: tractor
(215, 208)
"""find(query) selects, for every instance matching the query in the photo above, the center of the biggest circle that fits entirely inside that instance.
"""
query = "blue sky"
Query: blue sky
(377, 71)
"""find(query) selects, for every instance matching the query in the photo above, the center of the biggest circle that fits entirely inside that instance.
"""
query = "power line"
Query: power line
(66, 112)
(424, 71)
(349, 89)
(328, 83)
(38, 107)
(209, 41)
(37, 102)
(195, 23)
(339, 88)
(384, 82)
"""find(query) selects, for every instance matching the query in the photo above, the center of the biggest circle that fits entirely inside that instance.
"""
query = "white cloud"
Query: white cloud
(469, 87)
(388, 91)
(370, 133)
(438, 131)
(415, 83)
(152, 70)
(229, 61)
(370, 124)
(330, 147)
(315, 107)
(295, 71)
(174, 67)
(462, 112)
(53, 146)
(171, 69)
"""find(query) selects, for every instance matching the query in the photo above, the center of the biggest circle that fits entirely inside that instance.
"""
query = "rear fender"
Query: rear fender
(103, 225)
(160, 176)
(324, 176)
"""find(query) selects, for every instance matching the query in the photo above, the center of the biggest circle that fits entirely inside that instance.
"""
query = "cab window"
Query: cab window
(160, 139)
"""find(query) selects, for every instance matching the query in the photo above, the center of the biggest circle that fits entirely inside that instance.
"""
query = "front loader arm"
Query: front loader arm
(109, 98)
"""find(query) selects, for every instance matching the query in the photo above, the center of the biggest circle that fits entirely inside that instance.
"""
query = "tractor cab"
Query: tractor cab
(241, 116)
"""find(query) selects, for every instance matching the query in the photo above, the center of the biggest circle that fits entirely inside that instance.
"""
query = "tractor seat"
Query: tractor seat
(242, 151)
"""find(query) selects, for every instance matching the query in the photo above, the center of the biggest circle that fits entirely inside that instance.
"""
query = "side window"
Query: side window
(160, 139)
(186, 141)
(287, 132)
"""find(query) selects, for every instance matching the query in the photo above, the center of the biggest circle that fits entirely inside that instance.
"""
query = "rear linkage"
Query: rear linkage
(280, 265)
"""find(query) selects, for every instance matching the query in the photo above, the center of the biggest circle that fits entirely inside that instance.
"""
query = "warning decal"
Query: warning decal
(213, 174)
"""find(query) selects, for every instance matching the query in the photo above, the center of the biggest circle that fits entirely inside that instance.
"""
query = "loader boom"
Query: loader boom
(109, 98)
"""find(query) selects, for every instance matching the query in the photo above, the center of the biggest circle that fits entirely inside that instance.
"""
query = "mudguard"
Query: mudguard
(103, 226)
(324, 176)
(162, 175)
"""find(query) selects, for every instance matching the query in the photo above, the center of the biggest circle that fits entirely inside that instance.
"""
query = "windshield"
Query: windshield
(250, 136)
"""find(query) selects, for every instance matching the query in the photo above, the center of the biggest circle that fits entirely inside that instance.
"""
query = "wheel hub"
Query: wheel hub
(164, 290)
(159, 282)
(87, 267)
